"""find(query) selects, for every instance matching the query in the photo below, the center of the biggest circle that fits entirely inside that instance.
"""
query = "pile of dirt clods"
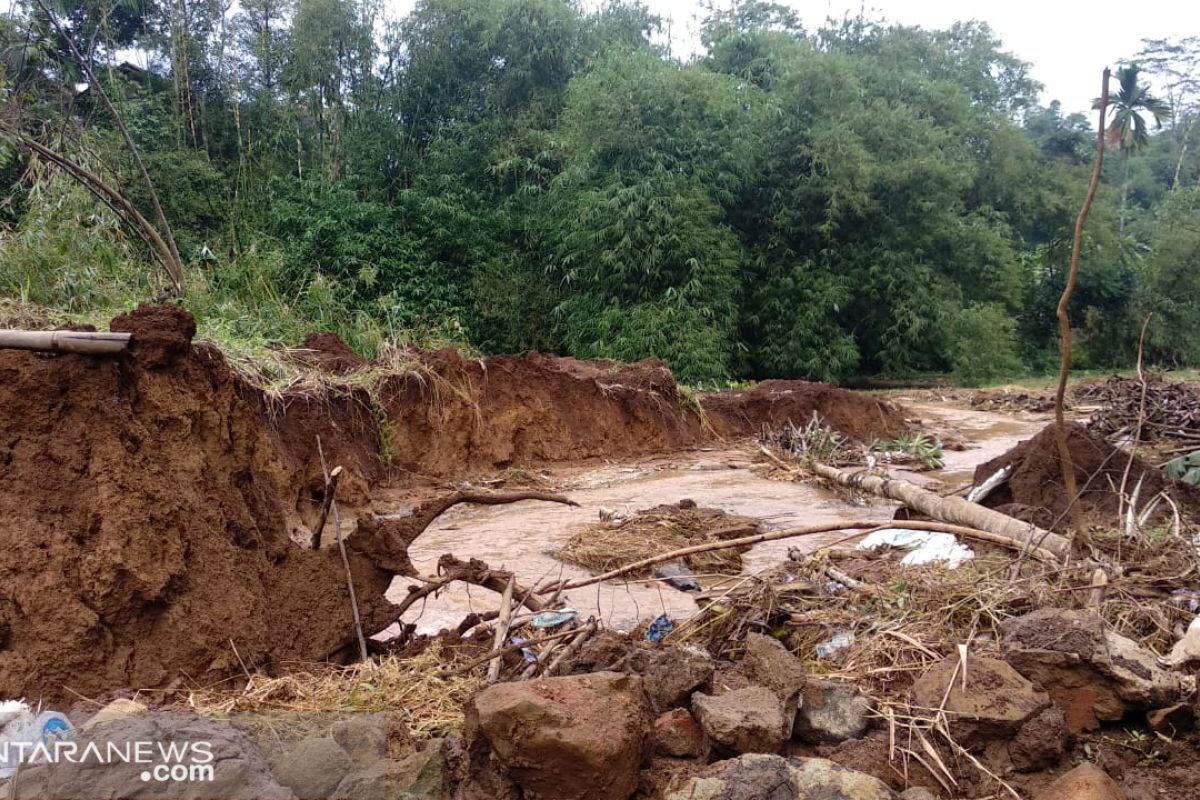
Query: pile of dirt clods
(155, 507)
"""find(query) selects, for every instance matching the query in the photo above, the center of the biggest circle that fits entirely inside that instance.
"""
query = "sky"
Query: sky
(1068, 42)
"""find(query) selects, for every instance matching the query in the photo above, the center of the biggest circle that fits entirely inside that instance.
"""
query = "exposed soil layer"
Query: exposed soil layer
(1034, 490)
(328, 352)
(152, 504)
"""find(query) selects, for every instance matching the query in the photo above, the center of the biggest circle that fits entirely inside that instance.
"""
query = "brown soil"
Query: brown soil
(152, 504)
(1035, 492)
(328, 352)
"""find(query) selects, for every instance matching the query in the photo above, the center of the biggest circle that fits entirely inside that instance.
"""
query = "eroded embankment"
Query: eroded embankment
(150, 505)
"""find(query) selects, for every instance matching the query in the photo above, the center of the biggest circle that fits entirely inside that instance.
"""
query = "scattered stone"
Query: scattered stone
(1085, 782)
(830, 712)
(747, 720)
(424, 774)
(1042, 741)
(314, 768)
(749, 777)
(671, 674)
(1093, 673)
(603, 652)
(117, 709)
(996, 703)
(363, 737)
(819, 777)
(240, 772)
(677, 734)
(768, 663)
(580, 737)
(918, 793)
(375, 782)
(1173, 720)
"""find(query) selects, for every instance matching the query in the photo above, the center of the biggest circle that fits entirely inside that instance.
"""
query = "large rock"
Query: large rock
(581, 737)
(767, 777)
(1042, 741)
(749, 720)
(997, 700)
(671, 674)
(830, 712)
(314, 768)
(678, 735)
(1091, 672)
(1085, 782)
(239, 769)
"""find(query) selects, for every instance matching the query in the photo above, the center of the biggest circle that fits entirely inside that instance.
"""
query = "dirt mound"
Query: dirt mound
(326, 351)
(658, 530)
(774, 403)
(162, 335)
(1034, 490)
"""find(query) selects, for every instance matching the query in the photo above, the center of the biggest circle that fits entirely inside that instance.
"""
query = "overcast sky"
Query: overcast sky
(1068, 42)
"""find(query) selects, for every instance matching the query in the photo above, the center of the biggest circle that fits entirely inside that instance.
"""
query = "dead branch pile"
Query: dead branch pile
(1172, 409)
(662, 529)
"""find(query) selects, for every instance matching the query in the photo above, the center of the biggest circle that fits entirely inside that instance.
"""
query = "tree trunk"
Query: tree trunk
(953, 510)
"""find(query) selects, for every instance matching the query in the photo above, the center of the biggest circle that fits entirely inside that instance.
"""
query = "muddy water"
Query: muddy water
(522, 537)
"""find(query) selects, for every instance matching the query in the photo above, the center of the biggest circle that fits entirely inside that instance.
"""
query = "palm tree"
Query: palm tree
(1127, 131)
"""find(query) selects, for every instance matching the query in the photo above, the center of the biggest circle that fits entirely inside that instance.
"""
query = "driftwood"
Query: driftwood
(502, 629)
(82, 342)
(952, 510)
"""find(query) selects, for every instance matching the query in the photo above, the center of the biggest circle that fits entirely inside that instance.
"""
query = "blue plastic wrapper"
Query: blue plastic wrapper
(660, 629)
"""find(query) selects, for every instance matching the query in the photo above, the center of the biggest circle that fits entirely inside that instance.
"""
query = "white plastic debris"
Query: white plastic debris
(18, 724)
(925, 547)
(833, 649)
(1186, 651)
(998, 478)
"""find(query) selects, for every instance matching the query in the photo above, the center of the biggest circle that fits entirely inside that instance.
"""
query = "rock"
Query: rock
(1085, 782)
(671, 674)
(423, 774)
(580, 737)
(747, 720)
(819, 777)
(996, 703)
(768, 663)
(375, 782)
(239, 770)
(748, 777)
(1186, 651)
(363, 737)
(918, 793)
(117, 709)
(314, 767)
(830, 712)
(1092, 673)
(677, 734)
(1042, 741)
(1173, 720)
(767, 777)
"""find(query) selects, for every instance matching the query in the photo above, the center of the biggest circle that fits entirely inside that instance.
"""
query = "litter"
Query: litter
(660, 629)
(678, 576)
(20, 726)
(925, 547)
(836, 646)
(552, 619)
(527, 655)
(978, 493)
(1187, 650)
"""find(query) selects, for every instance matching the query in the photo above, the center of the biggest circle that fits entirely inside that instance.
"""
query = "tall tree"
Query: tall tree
(1131, 104)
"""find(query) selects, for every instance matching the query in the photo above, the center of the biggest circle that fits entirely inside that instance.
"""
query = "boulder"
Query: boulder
(1092, 673)
(240, 771)
(117, 709)
(1085, 782)
(749, 720)
(767, 777)
(997, 700)
(580, 737)
(830, 712)
(314, 768)
(671, 674)
(1042, 741)
(364, 737)
(678, 735)
(425, 773)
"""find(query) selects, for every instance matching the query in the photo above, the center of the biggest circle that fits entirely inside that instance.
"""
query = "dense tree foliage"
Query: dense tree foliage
(521, 174)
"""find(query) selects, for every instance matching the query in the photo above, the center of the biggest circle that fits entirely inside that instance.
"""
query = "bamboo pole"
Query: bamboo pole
(952, 510)
(506, 607)
(82, 342)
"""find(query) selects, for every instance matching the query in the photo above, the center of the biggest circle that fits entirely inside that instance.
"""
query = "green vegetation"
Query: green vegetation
(507, 175)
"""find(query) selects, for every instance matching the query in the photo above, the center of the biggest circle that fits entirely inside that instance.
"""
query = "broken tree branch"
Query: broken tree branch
(331, 483)
(506, 606)
(82, 342)
(1064, 322)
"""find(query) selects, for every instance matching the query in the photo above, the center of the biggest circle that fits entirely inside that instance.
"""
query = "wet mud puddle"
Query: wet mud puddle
(522, 537)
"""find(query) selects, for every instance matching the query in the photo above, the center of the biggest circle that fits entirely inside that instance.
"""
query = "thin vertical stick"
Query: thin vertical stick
(337, 532)
(1141, 420)
(1064, 322)
(506, 606)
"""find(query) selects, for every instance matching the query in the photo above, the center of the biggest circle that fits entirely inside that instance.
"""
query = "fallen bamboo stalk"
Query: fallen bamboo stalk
(506, 606)
(866, 526)
(952, 510)
(330, 490)
(337, 533)
(88, 343)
